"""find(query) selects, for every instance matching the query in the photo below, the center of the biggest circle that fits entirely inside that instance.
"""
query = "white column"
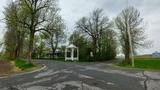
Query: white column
(65, 54)
(72, 54)
(77, 53)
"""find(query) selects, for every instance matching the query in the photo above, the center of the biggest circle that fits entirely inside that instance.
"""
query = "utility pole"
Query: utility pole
(130, 41)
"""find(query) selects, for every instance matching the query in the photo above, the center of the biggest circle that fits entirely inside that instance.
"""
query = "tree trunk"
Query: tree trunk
(30, 47)
(94, 48)
(127, 58)
(52, 46)
(18, 45)
(16, 52)
(127, 53)
(53, 51)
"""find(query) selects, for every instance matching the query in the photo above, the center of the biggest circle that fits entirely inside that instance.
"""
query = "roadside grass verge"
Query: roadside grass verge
(144, 63)
(23, 65)
(8, 67)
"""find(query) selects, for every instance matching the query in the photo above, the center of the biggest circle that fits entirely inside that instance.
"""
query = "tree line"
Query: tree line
(29, 24)
(35, 26)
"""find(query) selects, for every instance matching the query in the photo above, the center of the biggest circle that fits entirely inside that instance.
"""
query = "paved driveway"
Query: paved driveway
(80, 76)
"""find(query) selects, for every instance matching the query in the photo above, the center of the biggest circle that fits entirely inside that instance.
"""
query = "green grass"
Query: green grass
(23, 65)
(145, 63)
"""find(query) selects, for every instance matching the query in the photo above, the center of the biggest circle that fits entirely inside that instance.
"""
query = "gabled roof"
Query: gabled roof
(71, 46)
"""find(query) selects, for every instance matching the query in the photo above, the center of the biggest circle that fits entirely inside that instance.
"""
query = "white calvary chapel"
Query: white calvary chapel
(71, 53)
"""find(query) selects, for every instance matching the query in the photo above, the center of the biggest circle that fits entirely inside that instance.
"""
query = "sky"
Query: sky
(72, 10)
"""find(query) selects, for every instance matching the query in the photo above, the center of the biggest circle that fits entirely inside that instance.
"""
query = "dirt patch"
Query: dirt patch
(7, 67)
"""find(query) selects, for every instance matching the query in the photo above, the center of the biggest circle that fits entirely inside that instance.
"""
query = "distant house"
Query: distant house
(156, 54)
(59, 53)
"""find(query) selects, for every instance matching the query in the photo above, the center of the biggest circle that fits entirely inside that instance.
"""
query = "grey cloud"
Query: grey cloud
(72, 10)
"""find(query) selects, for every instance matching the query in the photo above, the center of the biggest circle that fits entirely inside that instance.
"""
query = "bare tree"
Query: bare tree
(130, 20)
(55, 31)
(94, 26)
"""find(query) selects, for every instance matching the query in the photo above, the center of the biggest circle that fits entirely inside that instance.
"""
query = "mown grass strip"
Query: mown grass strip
(145, 63)
(23, 65)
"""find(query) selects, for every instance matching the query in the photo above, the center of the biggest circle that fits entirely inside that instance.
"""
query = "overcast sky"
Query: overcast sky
(72, 10)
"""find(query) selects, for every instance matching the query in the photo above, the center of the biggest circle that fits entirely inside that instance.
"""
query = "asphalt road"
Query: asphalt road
(75, 76)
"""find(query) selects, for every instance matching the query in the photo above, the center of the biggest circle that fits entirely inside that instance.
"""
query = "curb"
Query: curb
(23, 73)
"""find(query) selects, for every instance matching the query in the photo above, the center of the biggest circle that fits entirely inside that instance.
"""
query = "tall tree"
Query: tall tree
(14, 35)
(94, 26)
(35, 17)
(55, 32)
(129, 20)
(109, 45)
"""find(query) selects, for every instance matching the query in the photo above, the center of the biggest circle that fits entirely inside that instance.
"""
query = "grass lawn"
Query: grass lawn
(23, 65)
(145, 63)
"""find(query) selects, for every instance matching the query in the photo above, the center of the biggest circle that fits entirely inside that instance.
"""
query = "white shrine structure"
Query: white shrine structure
(71, 53)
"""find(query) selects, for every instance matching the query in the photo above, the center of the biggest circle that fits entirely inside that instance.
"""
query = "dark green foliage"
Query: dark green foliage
(78, 39)
(108, 46)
